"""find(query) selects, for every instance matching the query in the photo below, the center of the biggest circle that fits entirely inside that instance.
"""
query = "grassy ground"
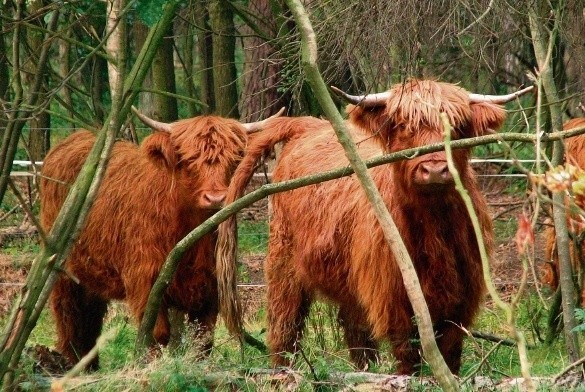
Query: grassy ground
(180, 368)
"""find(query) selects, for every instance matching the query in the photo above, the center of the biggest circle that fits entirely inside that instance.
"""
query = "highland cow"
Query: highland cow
(574, 155)
(326, 243)
(151, 196)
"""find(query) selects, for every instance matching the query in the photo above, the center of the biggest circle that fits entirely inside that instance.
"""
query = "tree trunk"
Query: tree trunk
(4, 75)
(40, 124)
(575, 55)
(186, 50)
(163, 79)
(203, 67)
(115, 22)
(65, 69)
(262, 64)
(145, 99)
(224, 67)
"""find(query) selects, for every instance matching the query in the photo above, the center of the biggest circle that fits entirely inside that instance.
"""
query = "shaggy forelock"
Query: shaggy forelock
(420, 102)
(210, 140)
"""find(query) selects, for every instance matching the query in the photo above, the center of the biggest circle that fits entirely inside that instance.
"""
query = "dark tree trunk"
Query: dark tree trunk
(4, 76)
(40, 124)
(260, 97)
(146, 99)
(163, 80)
(188, 56)
(574, 56)
(224, 67)
(204, 71)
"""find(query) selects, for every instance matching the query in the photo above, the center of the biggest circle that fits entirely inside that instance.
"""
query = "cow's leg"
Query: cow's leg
(137, 298)
(450, 341)
(162, 327)
(288, 307)
(79, 319)
(358, 336)
(405, 353)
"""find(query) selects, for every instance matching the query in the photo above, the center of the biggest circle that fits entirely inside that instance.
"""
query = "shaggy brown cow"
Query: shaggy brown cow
(152, 195)
(325, 241)
(574, 155)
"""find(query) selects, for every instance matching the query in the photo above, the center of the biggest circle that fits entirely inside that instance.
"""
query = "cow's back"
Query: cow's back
(321, 254)
(60, 169)
(134, 221)
(575, 148)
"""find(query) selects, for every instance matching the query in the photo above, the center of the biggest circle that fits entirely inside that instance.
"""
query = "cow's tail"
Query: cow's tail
(277, 130)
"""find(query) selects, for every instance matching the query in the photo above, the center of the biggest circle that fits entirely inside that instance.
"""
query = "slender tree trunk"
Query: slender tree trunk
(98, 88)
(146, 99)
(65, 69)
(163, 79)
(260, 96)
(575, 55)
(204, 66)
(224, 67)
(115, 22)
(189, 64)
(4, 75)
(40, 124)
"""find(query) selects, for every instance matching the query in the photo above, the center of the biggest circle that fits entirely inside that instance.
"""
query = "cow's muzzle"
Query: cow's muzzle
(212, 200)
(433, 172)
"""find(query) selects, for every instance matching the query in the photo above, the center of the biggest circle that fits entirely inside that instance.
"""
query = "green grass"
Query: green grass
(180, 369)
(252, 237)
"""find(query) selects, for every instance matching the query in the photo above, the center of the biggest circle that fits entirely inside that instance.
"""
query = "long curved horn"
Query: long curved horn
(366, 101)
(156, 125)
(498, 99)
(256, 126)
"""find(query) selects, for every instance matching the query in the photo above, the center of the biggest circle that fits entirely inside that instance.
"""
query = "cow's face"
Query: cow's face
(203, 153)
(412, 118)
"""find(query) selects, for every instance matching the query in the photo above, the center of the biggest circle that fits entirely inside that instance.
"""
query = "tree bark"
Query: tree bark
(4, 75)
(262, 65)
(575, 55)
(115, 22)
(65, 69)
(40, 124)
(189, 64)
(224, 66)
(163, 79)
(204, 66)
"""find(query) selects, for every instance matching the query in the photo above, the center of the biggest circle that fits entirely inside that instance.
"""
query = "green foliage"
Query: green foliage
(149, 11)
(580, 317)
(252, 237)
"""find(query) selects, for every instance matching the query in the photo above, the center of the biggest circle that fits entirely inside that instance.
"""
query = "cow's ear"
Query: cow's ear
(371, 119)
(160, 150)
(487, 118)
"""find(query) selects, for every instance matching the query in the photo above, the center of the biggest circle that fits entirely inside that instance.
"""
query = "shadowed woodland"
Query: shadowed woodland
(66, 66)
